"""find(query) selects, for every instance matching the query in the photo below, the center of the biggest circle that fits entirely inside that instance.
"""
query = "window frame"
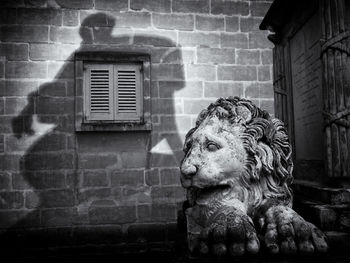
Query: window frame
(82, 59)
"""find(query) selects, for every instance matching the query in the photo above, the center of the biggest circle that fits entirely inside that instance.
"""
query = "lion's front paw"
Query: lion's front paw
(287, 232)
(232, 233)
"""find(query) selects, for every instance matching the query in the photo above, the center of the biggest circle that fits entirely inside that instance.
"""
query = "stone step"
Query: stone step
(316, 191)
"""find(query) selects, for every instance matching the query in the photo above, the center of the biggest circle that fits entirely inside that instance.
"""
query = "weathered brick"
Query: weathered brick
(222, 89)
(202, 72)
(259, 40)
(168, 72)
(19, 69)
(128, 177)
(75, 4)
(170, 176)
(229, 7)
(172, 21)
(180, 89)
(154, 39)
(85, 195)
(38, 180)
(264, 73)
(58, 217)
(163, 212)
(139, 159)
(259, 9)
(34, 16)
(259, 90)
(120, 5)
(11, 200)
(18, 87)
(97, 161)
(5, 181)
(55, 105)
(266, 57)
(65, 35)
(24, 33)
(52, 89)
(237, 73)
(95, 178)
(112, 214)
(216, 55)
(49, 160)
(195, 106)
(49, 198)
(146, 233)
(61, 70)
(14, 51)
(268, 105)
(152, 177)
(190, 6)
(180, 123)
(232, 23)
(166, 106)
(70, 17)
(247, 57)
(167, 194)
(19, 218)
(238, 40)
(7, 16)
(14, 105)
(171, 55)
(249, 24)
(133, 19)
(6, 124)
(51, 51)
(89, 18)
(199, 39)
(209, 23)
(162, 6)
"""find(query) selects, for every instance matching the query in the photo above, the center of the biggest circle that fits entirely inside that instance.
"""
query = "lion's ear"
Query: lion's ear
(244, 113)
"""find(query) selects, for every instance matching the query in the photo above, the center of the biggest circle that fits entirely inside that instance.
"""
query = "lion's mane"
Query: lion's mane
(268, 170)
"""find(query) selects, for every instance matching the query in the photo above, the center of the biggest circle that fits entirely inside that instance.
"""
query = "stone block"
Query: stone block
(39, 180)
(128, 178)
(36, 16)
(133, 19)
(49, 161)
(210, 23)
(54, 105)
(236, 40)
(180, 89)
(266, 57)
(201, 72)
(216, 55)
(14, 51)
(229, 7)
(259, 8)
(24, 33)
(237, 73)
(14, 105)
(232, 23)
(195, 106)
(5, 181)
(58, 217)
(264, 73)
(65, 35)
(7, 16)
(170, 176)
(146, 233)
(199, 39)
(85, 195)
(52, 51)
(259, 40)
(173, 21)
(11, 200)
(259, 90)
(75, 4)
(19, 69)
(70, 18)
(152, 177)
(97, 161)
(95, 178)
(112, 5)
(19, 218)
(161, 6)
(249, 24)
(168, 72)
(134, 159)
(112, 214)
(222, 89)
(50, 198)
(18, 87)
(167, 194)
(191, 6)
(268, 105)
(247, 57)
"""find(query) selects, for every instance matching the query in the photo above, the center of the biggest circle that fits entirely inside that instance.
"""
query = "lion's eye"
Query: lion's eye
(212, 147)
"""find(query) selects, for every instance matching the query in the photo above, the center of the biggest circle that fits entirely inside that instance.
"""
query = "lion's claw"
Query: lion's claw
(287, 232)
(233, 233)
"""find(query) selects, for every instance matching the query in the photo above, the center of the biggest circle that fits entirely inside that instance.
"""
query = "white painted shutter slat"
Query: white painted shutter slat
(100, 92)
(128, 99)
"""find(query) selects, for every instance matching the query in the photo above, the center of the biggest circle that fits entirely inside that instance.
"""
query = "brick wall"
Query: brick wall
(120, 186)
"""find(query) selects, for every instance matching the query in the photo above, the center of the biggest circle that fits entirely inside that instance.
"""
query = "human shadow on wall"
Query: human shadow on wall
(50, 166)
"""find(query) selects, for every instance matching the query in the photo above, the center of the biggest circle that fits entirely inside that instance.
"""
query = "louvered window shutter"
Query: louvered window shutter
(99, 104)
(128, 92)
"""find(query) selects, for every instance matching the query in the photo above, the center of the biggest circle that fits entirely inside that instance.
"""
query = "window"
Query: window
(112, 92)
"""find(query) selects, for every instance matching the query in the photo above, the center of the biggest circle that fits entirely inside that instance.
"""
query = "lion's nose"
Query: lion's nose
(188, 170)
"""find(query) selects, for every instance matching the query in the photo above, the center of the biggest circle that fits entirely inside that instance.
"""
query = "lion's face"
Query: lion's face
(214, 161)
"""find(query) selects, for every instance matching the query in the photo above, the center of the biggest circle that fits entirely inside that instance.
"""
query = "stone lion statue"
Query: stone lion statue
(237, 171)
